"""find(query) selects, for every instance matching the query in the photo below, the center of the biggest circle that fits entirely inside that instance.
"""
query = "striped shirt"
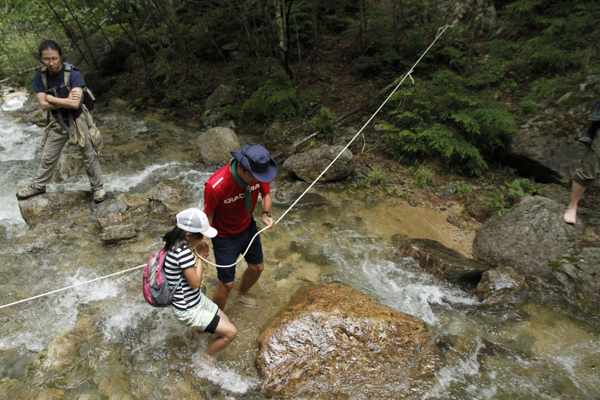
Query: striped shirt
(176, 261)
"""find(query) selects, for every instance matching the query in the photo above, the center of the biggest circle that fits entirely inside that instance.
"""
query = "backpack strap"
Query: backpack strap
(44, 76)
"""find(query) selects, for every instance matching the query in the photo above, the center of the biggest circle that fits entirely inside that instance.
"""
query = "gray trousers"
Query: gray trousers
(54, 144)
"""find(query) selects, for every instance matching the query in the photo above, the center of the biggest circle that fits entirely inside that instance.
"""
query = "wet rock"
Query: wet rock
(134, 200)
(288, 192)
(42, 207)
(533, 239)
(115, 233)
(112, 219)
(170, 193)
(108, 207)
(337, 334)
(441, 261)
(499, 284)
(215, 145)
(308, 166)
(223, 95)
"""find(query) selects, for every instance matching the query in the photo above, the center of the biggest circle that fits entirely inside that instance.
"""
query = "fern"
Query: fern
(275, 97)
(443, 119)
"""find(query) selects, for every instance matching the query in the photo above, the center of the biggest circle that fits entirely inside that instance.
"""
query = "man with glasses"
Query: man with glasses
(66, 107)
(230, 196)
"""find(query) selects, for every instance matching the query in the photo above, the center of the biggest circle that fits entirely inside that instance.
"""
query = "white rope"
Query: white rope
(72, 286)
(408, 74)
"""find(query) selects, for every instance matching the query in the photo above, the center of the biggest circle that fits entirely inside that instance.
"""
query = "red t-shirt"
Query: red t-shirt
(225, 197)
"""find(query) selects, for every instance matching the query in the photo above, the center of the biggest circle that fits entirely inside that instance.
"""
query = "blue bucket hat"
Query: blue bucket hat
(256, 159)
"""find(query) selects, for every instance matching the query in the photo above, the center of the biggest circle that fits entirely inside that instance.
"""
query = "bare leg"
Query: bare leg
(221, 292)
(570, 216)
(249, 278)
(225, 331)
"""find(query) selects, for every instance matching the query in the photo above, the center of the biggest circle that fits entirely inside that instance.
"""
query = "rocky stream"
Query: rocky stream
(349, 307)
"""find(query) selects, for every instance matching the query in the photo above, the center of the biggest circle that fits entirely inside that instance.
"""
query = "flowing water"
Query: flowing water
(101, 340)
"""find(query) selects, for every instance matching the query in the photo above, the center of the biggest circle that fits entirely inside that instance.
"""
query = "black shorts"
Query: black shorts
(227, 251)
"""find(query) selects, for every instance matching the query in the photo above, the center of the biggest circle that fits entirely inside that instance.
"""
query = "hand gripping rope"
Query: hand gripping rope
(440, 32)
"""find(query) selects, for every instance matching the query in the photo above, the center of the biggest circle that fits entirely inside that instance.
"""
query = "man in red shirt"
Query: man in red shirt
(230, 196)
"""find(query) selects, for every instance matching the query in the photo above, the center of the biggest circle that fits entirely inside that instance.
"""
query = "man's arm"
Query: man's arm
(49, 102)
(266, 203)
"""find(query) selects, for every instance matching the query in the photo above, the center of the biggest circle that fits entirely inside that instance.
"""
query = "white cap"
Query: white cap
(194, 220)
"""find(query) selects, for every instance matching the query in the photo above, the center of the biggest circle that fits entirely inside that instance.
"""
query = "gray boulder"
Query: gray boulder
(441, 261)
(499, 285)
(45, 208)
(336, 334)
(171, 194)
(533, 239)
(215, 145)
(109, 207)
(288, 192)
(546, 146)
(308, 166)
(222, 96)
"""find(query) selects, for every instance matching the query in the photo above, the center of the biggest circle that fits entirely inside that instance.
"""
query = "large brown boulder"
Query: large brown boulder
(337, 334)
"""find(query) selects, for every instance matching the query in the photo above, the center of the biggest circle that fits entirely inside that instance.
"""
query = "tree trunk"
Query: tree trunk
(283, 34)
(315, 25)
(362, 32)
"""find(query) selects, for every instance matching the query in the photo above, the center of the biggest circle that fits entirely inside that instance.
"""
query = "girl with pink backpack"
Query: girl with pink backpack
(189, 304)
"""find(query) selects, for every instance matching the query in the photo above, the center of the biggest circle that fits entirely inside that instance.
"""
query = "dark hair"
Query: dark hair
(176, 238)
(50, 45)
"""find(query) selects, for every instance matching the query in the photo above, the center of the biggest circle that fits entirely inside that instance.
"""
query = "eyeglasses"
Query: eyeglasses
(53, 60)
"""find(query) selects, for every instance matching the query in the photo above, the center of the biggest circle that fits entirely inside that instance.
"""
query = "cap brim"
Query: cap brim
(210, 232)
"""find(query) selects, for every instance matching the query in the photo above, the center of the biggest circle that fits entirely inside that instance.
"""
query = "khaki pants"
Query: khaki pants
(54, 144)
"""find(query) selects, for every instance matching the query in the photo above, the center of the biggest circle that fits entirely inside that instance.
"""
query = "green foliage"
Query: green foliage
(443, 119)
(323, 124)
(276, 97)
(464, 191)
(504, 197)
(378, 176)
(423, 176)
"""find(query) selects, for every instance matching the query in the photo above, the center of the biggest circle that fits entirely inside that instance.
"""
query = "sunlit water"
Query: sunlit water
(101, 340)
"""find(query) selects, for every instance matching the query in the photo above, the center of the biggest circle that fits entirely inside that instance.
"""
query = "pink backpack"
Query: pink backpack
(157, 291)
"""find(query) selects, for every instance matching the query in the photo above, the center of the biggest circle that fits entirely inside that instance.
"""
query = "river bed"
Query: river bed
(101, 340)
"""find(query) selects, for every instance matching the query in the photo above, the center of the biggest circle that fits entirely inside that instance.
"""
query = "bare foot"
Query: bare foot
(247, 301)
(571, 215)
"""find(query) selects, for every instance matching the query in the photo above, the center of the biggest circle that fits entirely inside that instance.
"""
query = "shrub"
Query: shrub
(275, 98)
(443, 119)
(424, 176)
